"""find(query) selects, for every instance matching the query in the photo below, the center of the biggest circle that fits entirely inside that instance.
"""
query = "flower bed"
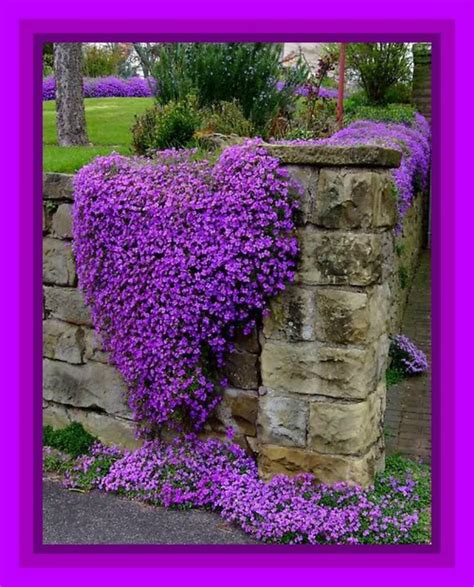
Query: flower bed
(175, 257)
(219, 476)
(107, 87)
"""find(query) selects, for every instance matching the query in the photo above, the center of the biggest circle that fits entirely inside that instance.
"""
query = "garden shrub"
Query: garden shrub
(399, 113)
(379, 67)
(164, 127)
(220, 476)
(214, 72)
(406, 357)
(226, 118)
(73, 439)
(100, 61)
(175, 257)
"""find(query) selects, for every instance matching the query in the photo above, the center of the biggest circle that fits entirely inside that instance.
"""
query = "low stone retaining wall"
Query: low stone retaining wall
(307, 390)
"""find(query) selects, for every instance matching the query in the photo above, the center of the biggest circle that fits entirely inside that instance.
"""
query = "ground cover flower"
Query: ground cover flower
(406, 357)
(220, 476)
(107, 87)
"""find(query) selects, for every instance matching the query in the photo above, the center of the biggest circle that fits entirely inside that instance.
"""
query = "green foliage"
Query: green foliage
(73, 439)
(226, 118)
(400, 94)
(100, 61)
(399, 113)
(316, 118)
(403, 276)
(87, 478)
(399, 249)
(393, 376)
(215, 72)
(48, 59)
(164, 127)
(379, 67)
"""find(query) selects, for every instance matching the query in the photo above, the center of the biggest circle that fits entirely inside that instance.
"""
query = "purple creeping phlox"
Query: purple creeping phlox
(413, 141)
(175, 257)
(107, 87)
(406, 356)
(220, 476)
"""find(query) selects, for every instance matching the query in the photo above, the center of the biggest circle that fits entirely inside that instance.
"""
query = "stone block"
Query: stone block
(339, 258)
(305, 178)
(57, 186)
(360, 198)
(330, 469)
(292, 315)
(58, 262)
(319, 369)
(247, 342)
(93, 350)
(63, 341)
(282, 420)
(241, 370)
(237, 410)
(345, 427)
(66, 303)
(108, 429)
(342, 316)
(94, 386)
(61, 226)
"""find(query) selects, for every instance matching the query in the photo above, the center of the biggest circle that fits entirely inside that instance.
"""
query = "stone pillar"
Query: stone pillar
(325, 343)
(422, 78)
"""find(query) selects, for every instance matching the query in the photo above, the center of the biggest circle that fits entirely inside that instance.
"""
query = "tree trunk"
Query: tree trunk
(70, 116)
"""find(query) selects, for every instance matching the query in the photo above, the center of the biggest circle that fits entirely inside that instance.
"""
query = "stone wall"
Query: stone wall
(422, 78)
(307, 390)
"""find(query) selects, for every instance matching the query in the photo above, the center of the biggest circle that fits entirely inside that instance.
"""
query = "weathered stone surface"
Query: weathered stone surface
(241, 370)
(58, 262)
(63, 341)
(345, 428)
(355, 199)
(292, 315)
(48, 210)
(109, 429)
(238, 410)
(379, 307)
(282, 420)
(57, 186)
(61, 226)
(93, 385)
(305, 178)
(66, 304)
(93, 350)
(318, 369)
(248, 342)
(329, 155)
(335, 258)
(342, 316)
(275, 460)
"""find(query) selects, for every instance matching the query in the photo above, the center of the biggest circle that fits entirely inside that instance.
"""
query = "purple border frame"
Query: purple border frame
(25, 560)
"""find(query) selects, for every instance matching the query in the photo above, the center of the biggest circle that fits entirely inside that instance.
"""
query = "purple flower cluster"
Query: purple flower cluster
(175, 257)
(307, 89)
(107, 87)
(406, 356)
(220, 476)
(413, 141)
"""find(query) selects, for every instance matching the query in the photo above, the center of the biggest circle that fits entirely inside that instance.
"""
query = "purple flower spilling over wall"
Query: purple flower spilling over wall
(406, 356)
(107, 87)
(220, 476)
(413, 141)
(174, 257)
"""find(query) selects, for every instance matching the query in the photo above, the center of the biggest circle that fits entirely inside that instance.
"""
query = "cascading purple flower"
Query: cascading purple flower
(174, 257)
(107, 87)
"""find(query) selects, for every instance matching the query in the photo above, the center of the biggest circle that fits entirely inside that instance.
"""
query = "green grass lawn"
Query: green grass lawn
(108, 126)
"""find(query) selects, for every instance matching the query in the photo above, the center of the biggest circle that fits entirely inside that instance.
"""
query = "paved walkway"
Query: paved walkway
(408, 415)
(102, 518)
